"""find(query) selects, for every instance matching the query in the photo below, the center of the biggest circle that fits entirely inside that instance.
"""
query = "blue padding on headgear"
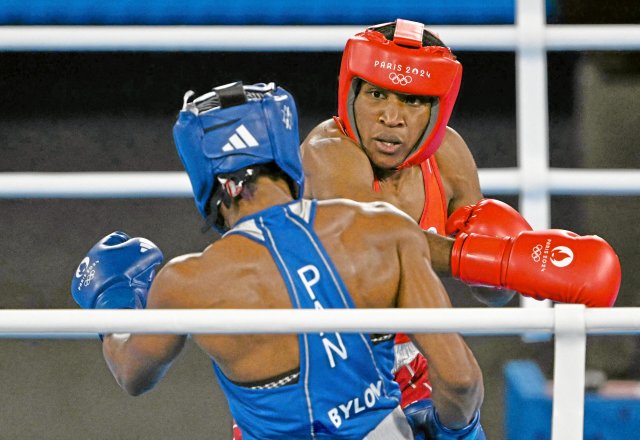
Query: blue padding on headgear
(218, 140)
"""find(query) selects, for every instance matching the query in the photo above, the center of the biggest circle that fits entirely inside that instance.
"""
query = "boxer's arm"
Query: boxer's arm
(454, 372)
(440, 249)
(441, 262)
(459, 176)
(138, 362)
(118, 272)
(460, 179)
(458, 172)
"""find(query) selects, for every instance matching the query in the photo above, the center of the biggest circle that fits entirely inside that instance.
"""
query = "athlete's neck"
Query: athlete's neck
(265, 193)
(389, 174)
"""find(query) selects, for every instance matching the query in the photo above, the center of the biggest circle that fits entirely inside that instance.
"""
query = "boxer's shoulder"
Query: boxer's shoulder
(383, 221)
(328, 138)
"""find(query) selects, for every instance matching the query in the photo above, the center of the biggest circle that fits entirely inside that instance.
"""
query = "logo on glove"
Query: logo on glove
(561, 256)
(82, 267)
(399, 78)
(536, 253)
(86, 271)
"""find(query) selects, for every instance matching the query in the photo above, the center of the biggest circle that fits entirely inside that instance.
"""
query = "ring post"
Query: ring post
(568, 372)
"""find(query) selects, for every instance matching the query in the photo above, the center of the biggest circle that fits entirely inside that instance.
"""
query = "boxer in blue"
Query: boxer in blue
(239, 146)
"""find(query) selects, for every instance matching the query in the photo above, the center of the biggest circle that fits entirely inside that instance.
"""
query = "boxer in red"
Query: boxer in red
(397, 88)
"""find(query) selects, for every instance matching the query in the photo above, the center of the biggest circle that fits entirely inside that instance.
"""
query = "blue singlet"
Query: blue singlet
(344, 390)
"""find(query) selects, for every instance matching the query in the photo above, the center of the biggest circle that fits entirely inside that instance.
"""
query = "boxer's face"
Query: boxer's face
(389, 123)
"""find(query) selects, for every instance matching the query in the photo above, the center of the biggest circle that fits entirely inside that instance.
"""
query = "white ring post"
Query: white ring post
(532, 118)
(568, 372)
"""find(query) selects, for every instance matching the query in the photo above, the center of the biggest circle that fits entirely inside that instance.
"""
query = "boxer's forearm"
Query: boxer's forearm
(458, 389)
(440, 250)
(138, 362)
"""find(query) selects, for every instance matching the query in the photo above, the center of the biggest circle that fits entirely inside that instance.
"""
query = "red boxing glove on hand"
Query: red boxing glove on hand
(487, 217)
(554, 264)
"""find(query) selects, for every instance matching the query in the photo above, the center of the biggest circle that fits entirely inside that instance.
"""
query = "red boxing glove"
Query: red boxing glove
(553, 264)
(487, 217)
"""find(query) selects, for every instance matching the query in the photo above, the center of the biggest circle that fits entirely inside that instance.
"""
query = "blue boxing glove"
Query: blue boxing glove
(116, 273)
(426, 425)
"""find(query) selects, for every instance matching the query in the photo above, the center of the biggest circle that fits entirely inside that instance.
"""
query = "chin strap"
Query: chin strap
(230, 186)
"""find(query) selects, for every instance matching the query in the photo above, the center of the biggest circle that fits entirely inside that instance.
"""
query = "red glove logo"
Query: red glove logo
(536, 253)
(561, 256)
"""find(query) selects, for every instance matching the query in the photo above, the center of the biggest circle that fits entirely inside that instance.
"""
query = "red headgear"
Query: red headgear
(402, 65)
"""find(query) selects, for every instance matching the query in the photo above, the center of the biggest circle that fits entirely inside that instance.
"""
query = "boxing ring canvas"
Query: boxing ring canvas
(81, 201)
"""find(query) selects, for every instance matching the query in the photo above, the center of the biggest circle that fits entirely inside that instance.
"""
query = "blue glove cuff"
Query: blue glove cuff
(426, 424)
(473, 431)
(119, 296)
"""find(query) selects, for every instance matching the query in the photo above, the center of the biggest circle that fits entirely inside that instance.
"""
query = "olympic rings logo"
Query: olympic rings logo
(536, 253)
(399, 78)
(90, 276)
(86, 272)
(82, 267)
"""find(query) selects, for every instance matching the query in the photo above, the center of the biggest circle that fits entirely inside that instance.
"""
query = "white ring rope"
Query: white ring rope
(302, 38)
(569, 322)
(469, 321)
(176, 184)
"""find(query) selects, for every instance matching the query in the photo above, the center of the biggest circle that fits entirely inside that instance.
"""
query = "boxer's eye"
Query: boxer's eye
(416, 100)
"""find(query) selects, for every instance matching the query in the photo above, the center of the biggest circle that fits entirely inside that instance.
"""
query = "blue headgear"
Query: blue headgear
(234, 127)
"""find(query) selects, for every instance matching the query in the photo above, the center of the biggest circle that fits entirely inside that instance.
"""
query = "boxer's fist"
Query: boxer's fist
(424, 421)
(553, 264)
(487, 217)
(116, 273)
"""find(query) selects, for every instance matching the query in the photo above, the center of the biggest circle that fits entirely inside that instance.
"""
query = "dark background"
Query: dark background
(114, 112)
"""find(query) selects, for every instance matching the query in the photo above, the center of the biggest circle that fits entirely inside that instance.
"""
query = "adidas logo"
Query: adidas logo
(145, 245)
(242, 138)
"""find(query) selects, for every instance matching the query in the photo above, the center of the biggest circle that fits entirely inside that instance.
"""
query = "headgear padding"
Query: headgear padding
(402, 65)
(234, 127)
